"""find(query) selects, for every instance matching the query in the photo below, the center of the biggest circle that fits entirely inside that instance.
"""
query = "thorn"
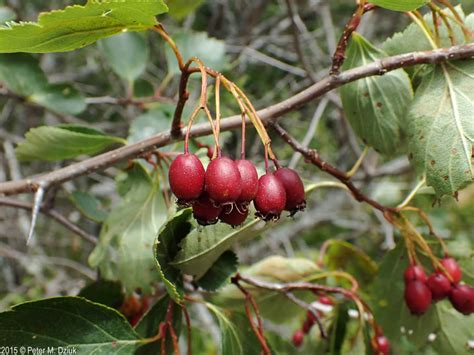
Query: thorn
(39, 196)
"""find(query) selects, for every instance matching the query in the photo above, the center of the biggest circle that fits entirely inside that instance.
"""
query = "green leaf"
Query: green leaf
(88, 205)
(375, 105)
(127, 54)
(230, 341)
(452, 329)
(149, 124)
(273, 305)
(63, 142)
(219, 274)
(400, 5)
(166, 247)
(149, 325)
(60, 98)
(125, 248)
(211, 51)
(440, 127)
(78, 26)
(104, 292)
(179, 9)
(143, 88)
(71, 323)
(339, 328)
(341, 255)
(21, 74)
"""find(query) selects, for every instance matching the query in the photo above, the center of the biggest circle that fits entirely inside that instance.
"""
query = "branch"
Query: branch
(53, 214)
(267, 115)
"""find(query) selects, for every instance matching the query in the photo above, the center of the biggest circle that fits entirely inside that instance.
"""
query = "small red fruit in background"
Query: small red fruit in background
(417, 297)
(414, 273)
(381, 345)
(249, 176)
(186, 177)
(453, 269)
(234, 215)
(326, 300)
(223, 182)
(298, 338)
(271, 198)
(205, 212)
(439, 286)
(294, 188)
(462, 299)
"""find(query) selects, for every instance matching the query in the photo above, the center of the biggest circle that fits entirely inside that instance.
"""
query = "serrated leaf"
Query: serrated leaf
(452, 330)
(400, 5)
(166, 247)
(273, 305)
(70, 323)
(210, 50)
(63, 142)
(149, 325)
(88, 205)
(127, 54)
(413, 39)
(60, 98)
(104, 292)
(230, 341)
(440, 127)
(219, 274)
(78, 26)
(179, 9)
(375, 105)
(125, 248)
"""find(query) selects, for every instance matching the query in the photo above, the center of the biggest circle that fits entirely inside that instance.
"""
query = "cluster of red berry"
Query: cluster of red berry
(225, 189)
(421, 291)
(310, 320)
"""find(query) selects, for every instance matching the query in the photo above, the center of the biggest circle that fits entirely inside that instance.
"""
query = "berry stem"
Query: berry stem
(217, 150)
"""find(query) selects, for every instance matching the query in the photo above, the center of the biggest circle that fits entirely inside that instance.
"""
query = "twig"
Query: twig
(267, 115)
(311, 309)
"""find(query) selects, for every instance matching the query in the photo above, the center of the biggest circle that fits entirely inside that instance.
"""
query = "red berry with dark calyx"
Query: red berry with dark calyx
(414, 273)
(271, 198)
(381, 345)
(294, 188)
(462, 299)
(249, 176)
(235, 214)
(453, 269)
(298, 338)
(205, 212)
(186, 177)
(417, 297)
(439, 286)
(223, 183)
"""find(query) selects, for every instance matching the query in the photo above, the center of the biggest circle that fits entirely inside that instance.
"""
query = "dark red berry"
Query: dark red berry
(417, 297)
(298, 338)
(325, 300)
(205, 212)
(223, 182)
(381, 345)
(307, 325)
(439, 286)
(414, 273)
(186, 177)
(294, 188)
(462, 299)
(271, 198)
(234, 214)
(249, 176)
(453, 269)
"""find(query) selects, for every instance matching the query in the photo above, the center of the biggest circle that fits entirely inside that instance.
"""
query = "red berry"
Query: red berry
(234, 214)
(325, 300)
(381, 345)
(223, 182)
(453, 269)
(205, 212)
(462, 299)
(439, 286)
(186, 177)
(414, 273)
(417, 297)
(298, 338)
(294, 188)
(271, 198)
(249, 176)
(307, 325)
